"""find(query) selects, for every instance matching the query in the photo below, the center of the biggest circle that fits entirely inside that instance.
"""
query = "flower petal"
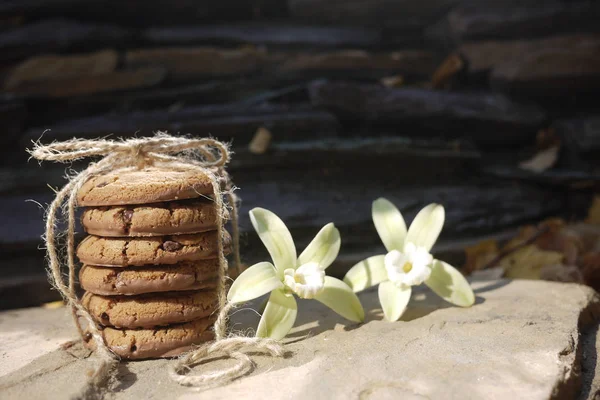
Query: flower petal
(389, 223)
(393, 300)
(366, 273)
(448, 283)
(276, 238)
(279, 316)
(255, 281)
(426, 227)
(340, 298)
(323, 249)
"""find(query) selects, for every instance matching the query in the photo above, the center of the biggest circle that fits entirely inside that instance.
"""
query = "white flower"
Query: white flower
(302, 275)
(408, 261)
(307, 281)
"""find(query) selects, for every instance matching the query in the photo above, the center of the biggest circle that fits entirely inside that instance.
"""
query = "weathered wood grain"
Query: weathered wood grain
(552, 72)
(57, 35)
(234, 121)
(272, 35)
(477, 21)
(50, 67)
(482, 56)
(337, 63)
(188, 63)
(77, 85)
(487, 119)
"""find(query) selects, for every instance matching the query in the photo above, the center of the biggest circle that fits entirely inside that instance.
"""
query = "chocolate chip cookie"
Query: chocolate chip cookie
(150, 310)
(123, 252)
(149, 185)
(173, 218)
(171, 341)
(186, 275)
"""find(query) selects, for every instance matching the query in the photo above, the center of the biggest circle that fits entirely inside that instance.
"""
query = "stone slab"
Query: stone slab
(522, 339)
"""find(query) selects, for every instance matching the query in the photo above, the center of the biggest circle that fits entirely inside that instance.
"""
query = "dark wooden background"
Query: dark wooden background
(310, 72)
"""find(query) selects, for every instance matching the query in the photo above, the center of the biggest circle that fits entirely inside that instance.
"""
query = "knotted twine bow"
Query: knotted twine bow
(207, 156)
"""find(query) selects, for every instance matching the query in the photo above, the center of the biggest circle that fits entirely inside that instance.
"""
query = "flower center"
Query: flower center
(307, 281)
(408, 268)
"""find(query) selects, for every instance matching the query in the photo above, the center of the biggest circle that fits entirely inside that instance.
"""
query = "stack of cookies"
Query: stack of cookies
(150, 262)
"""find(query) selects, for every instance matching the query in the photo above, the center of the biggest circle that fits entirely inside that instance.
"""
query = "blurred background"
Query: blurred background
(487, 106)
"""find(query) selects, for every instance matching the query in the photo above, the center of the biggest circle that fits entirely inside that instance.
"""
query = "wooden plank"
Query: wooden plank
(552, 72)
(187, 63)
(140, 12)
(482, 56)
(396, 14)
(338, 63)
(58, 35)
(487, 119)
(272, 34)
(236, 121)
(12, 119)
(479, 21)
(50, 67)
(89, 84)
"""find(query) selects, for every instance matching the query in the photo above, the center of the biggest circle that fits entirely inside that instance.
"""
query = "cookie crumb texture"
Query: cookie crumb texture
(149, 185)
(102, 251)
(173, 218)
(148, 311)
(138, 344)
(186, 275)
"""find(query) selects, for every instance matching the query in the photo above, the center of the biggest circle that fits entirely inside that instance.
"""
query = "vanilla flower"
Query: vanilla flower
(303, 276)
(408, 261)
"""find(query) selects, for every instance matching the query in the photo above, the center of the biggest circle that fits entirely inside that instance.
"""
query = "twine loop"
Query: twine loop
(233, 348)
(205, 151)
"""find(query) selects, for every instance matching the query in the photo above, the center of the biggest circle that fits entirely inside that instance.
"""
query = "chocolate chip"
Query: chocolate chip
(127, 215)
(104, 316)
(133, 348)
(169, 245)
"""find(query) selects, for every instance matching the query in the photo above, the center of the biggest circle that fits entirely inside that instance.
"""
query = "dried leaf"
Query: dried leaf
(588, 234)
(447, 69)
(594, 212)
(542, 161)
(557, 237)
(261, 141)
(527, 262)
(479, 255)
(392, 81)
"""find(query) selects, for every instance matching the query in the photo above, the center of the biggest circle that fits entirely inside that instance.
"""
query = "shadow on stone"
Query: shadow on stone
(589, 386)
(492, 286)
(125, 376)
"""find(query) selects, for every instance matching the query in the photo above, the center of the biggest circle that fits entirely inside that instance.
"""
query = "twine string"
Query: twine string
(205, 155)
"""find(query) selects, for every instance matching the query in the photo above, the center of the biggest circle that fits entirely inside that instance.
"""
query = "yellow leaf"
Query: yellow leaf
(527, 262)
(53, 305)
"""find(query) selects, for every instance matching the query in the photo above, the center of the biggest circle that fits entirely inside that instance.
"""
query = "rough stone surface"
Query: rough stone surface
(522, 339)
